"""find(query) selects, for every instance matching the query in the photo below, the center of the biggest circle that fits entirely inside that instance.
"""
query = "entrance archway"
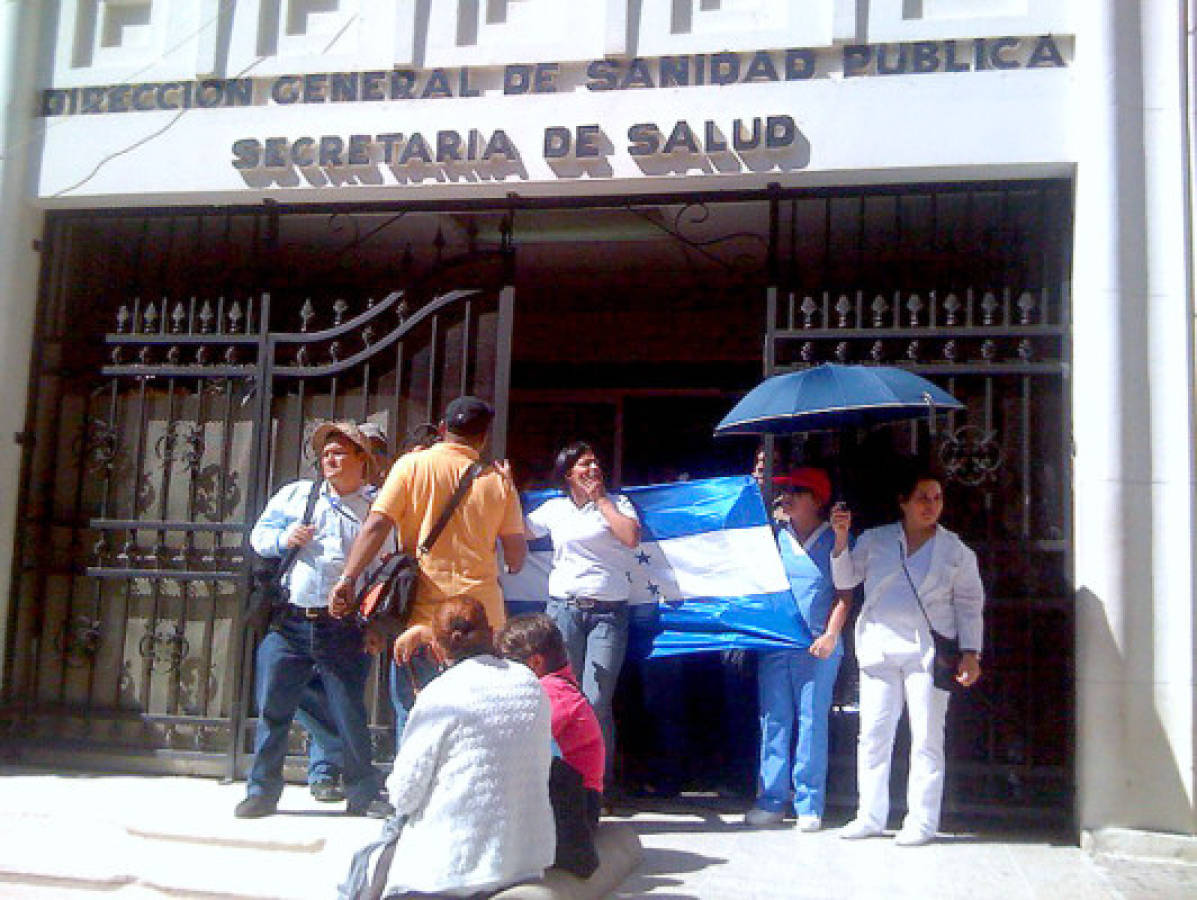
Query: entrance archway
(637, 317)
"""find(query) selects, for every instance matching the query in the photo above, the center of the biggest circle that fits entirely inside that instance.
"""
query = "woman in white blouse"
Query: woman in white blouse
(593, 534)
(472, 772)
(913, 562)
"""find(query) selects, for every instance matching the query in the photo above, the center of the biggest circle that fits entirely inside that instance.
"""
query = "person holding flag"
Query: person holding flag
(593, 535)
(795, 685)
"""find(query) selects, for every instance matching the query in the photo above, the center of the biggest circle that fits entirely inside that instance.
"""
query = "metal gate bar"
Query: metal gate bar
(155, 559)
(996, 336)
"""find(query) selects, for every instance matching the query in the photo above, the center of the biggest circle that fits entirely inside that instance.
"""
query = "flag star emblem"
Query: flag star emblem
(709, 563)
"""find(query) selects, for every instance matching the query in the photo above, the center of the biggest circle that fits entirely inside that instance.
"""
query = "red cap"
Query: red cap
(808, 478)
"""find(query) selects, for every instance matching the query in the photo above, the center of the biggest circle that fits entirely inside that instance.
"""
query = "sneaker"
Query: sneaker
(910, 837)
(809, 823)
(255, 807)
(327, 791)
(375, 809)
(762, 818)
(857, 829)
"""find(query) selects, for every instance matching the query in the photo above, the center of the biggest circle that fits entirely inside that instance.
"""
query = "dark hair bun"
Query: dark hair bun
(461, 627)
(461, 631)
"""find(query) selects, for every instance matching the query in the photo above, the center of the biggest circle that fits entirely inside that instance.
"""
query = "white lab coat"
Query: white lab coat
(951, 592)
(892, 671)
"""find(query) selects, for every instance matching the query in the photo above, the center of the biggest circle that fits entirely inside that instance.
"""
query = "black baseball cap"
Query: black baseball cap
(468, 416)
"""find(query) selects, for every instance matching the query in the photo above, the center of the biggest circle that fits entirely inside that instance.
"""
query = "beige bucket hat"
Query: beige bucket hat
(350, 431)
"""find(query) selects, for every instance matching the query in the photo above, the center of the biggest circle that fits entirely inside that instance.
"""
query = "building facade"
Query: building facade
(224, 220)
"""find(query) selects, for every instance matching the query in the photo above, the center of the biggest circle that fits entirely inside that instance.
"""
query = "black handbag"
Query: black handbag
(946, 664)
(947, 649)
(385, 601)
(266, 591)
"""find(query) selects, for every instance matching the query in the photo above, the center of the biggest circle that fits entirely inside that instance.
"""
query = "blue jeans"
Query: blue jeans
(595, 643)
(291, 653)
(661, 704)
(795, 689)
(403, 692)
(325, 748)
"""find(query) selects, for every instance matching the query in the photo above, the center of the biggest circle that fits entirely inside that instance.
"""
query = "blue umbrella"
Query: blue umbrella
(834, 396)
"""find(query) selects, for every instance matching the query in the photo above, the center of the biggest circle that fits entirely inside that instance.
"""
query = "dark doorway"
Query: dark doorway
(638, 326)
(638, 321)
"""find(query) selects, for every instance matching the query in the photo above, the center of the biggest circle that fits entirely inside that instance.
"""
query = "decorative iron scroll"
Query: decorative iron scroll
(694, 214)
(166, 647)
(970, 455)
(79, 641)
(181, 442)
(100, 439)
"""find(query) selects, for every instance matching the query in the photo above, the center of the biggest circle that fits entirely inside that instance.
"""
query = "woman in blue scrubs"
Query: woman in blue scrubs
(795, 686)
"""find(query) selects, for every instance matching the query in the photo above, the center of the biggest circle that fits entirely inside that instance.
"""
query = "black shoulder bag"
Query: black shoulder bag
(266, 591)
(385, 601)
(947, 650)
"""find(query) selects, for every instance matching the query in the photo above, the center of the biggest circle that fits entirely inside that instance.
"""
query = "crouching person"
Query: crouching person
(472, 771)
(576, 785)
(304, 637)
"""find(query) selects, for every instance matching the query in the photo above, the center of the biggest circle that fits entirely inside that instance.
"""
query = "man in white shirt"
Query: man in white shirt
(305, 637)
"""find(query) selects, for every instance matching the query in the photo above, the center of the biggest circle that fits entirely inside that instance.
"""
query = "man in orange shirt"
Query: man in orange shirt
(463, 561)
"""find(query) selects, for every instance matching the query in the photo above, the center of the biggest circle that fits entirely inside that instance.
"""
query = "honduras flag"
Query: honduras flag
(707, 559)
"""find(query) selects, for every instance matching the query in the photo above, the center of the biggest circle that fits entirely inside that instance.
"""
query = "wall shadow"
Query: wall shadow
(653, 876)
(1127, 770)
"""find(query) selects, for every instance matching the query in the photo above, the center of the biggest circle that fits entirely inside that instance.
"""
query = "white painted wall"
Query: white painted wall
(1133, 428)
(853, 128)
(18, 262)
(167, 39)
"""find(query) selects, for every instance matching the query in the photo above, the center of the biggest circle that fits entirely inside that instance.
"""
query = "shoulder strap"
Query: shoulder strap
(459, 493)
(288, 558)
(910, 581)
(310, 506)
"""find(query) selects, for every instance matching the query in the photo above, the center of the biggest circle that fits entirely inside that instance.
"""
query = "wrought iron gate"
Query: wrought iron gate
(126, 646)
(138, 487)
(996, 336)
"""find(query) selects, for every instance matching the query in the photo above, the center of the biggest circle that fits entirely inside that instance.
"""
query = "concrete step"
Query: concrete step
(137, 836)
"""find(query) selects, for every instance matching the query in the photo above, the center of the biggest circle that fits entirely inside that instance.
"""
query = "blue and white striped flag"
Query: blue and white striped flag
(707, 557)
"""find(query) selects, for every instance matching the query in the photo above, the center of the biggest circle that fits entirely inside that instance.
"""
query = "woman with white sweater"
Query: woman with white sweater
(472, 772)
(917, 576)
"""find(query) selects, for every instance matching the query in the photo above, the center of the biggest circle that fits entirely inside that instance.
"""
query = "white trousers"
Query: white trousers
(883, 686)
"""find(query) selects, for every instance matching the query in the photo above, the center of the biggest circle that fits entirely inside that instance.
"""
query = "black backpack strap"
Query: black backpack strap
(288, 558)
(463, 487)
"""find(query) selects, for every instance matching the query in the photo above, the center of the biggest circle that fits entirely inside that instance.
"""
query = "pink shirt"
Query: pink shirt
(575, 727)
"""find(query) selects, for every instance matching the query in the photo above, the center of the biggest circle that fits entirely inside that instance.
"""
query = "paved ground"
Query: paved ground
(706, 853)
(127, 837)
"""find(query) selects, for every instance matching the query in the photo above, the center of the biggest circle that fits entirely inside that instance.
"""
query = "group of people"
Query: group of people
(473, 767)
(919, 580)
(482, 704)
